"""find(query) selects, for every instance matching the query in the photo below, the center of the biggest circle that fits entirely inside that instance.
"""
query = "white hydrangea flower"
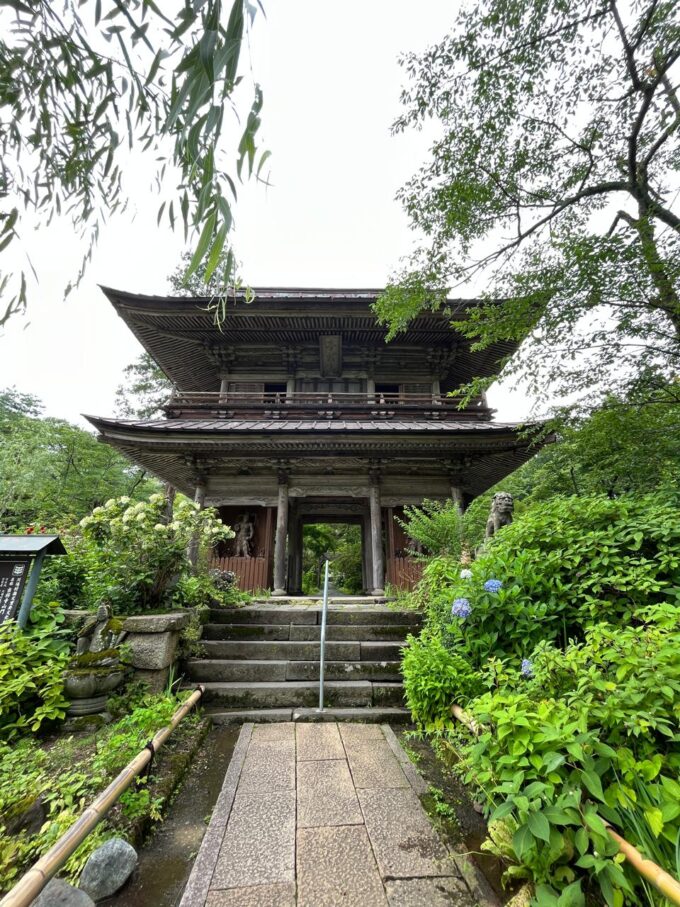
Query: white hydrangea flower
(160, 527)
(465, 573)
(141, 517)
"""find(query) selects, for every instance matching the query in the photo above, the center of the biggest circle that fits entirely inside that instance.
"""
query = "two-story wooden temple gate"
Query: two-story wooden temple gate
(295, 410)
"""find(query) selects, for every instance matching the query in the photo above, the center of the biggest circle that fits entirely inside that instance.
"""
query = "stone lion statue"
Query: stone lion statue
(501, 513)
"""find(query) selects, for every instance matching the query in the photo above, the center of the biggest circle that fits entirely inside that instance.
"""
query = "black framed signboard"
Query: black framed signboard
(21, 558)
(13, 573)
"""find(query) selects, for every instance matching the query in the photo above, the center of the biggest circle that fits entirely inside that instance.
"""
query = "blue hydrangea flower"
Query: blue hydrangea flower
(493, 585)
(461, 608)
(465, 573)
(527, 668)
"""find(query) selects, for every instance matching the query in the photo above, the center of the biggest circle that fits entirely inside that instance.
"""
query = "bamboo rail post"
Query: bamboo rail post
(658, 877)
(32, 883)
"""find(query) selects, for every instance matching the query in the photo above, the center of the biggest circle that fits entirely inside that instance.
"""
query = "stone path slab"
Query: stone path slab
(323, 815)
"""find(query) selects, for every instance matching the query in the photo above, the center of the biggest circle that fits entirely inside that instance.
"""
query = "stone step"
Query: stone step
(300, 694)
(201, 669)
(287, 650)
(367, 715)
(306, 632)
(292, 694)
(345, 670)
(348, 616)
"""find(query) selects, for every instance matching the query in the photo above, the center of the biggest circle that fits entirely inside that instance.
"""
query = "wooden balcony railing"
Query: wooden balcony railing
(330, 405)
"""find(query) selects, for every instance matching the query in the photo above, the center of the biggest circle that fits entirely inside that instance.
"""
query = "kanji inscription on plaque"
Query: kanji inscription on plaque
(13, 575)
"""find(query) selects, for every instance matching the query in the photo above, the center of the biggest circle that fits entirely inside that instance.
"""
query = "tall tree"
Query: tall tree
(81, 83)
(554, 185)
(144, 390)
(52, 472)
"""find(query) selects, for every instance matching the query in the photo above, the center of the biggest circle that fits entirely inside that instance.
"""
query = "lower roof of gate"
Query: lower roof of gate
(473, 455)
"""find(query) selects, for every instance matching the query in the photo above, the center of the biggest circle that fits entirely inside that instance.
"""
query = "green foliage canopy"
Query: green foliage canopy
(52, 472)
(553, 184)
(80, 84)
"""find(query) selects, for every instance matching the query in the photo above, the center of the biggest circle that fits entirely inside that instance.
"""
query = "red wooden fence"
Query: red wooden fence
(404, 572)
(251, 572)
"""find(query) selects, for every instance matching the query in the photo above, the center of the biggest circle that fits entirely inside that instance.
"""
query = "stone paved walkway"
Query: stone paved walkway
(319, 815)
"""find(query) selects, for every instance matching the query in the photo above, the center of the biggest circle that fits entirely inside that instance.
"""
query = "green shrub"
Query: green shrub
(436, 527)
(434, 678)
(130, 555)
(563, 565)
(66, 777)
(591, 735)
(31, 674)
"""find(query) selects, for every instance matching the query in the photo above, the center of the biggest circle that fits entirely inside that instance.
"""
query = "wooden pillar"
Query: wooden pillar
(370, 388)
(376, 537)
(436, 390)
(290, 387)
(280, 538)
(192, 548)
(367, 558)
(457, 495)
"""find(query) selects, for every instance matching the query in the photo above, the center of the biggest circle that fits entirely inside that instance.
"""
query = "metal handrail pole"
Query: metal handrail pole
(322, 651)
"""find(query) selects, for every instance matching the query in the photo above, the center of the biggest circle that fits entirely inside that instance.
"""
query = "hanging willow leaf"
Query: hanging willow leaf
(160, 87)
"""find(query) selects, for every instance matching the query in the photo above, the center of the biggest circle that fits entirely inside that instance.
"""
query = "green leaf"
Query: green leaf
(539, 826)
(203, 244)
(522, 842)
(571, 896)
(654, 817)
(592, 782)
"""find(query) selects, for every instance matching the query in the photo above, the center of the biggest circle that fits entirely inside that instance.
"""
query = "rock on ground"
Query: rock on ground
(58, 893)
(108, 868)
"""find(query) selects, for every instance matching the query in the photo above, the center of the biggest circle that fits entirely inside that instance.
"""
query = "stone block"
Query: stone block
(319, 741)
(336, 866)
(251, 632)
(358, 632)
(276, 615)
(258, 847)
(157, 623)
(432, 892)
(326, 795)
(373, 764)
(362, 615)
(283, 650)
(270, 761)
(152, 651)
(345, 670)
(235, 671)
(403, 840)
(390, 694)
(281, 894)
(289, 694)
(238, 716)
(156, 681)
(381, 651)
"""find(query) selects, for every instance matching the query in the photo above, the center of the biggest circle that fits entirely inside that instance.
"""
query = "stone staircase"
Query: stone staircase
(261, 662)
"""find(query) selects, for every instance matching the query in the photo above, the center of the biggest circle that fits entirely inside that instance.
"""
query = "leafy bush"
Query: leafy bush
(130, 555)
(64, 778)
(31, 674)
(562, 565)
(434, 678)
(436, 527)
(561, 641)
(586, 736)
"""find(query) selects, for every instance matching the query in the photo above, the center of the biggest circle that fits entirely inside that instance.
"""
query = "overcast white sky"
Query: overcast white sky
(331, 86)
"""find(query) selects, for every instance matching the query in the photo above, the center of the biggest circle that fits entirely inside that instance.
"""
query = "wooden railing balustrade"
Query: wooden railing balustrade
(329, 404)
